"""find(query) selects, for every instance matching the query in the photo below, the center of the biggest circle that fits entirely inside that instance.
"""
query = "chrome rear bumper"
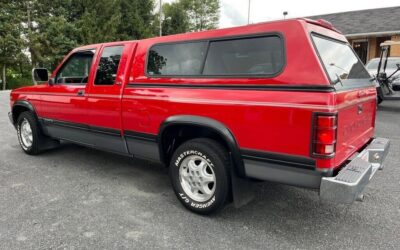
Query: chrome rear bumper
(348, 184)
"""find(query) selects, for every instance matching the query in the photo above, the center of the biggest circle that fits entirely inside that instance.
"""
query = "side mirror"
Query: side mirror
(398, 66)
(51, 81)
(40, 75)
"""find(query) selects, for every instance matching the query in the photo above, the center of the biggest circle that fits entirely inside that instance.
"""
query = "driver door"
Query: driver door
(64, 104)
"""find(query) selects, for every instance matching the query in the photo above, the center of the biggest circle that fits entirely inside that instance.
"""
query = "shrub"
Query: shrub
(18, 81)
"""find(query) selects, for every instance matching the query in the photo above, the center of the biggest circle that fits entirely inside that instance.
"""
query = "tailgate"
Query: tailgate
(355, 95)
(356, 121)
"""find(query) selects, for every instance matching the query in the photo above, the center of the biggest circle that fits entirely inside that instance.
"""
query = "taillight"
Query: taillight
(324, 135)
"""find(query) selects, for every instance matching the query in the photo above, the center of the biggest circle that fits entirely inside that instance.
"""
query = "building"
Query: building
(367, 29)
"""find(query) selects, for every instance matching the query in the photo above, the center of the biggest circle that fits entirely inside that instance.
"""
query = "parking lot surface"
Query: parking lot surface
(79, 198)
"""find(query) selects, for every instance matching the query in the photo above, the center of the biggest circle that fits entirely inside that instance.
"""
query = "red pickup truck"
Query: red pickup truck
(285, 101)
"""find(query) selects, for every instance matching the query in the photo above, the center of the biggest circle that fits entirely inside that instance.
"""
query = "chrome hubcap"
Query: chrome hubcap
(26, 133)
(197, 178)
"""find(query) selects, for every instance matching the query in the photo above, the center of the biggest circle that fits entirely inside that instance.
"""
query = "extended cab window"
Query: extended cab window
(76, 69)
(176, 59)
(108, 65)
(245, 56)
(231, 57)
(341, 62)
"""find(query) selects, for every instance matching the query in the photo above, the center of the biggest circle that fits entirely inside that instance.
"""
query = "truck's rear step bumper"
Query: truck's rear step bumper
(348, 184)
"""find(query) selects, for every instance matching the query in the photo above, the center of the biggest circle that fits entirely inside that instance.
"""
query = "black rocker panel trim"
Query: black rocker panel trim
(142, 145)
(97, 137)
(108, 131)
(140, 136)
(279, 159)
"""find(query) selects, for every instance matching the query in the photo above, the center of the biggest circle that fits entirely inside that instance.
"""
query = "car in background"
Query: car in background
(372, 67)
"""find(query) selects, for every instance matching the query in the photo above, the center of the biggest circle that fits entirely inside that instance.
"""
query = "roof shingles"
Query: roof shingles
(364, 21)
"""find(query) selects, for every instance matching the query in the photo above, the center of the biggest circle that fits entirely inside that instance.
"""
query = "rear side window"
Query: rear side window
(340, 61)
(250, 56)
(253, 56)
(176, 59)
(108, 65)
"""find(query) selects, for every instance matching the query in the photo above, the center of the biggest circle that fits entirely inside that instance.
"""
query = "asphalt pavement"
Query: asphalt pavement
(79, 198)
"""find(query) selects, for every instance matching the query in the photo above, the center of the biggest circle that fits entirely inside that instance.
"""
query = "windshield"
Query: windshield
(391, 64)
(373, 64)
(340, 61)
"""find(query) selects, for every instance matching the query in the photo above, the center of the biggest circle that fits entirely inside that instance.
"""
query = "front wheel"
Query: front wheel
(199, 172)
(30, 136)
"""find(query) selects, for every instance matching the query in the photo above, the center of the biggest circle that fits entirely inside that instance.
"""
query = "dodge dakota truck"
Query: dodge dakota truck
(286, 101)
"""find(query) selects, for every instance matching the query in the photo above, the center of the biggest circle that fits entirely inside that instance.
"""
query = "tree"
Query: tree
(106, 21)
(11, 42)
(59, 38)
(41, 32)
(54, 27)
(176, 19)
(51, 31)
(136, 19)
(203, 14)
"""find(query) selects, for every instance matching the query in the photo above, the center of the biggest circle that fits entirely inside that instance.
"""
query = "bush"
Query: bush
(19, 81)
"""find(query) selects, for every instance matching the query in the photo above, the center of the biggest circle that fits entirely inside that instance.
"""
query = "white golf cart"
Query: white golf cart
(385, 88)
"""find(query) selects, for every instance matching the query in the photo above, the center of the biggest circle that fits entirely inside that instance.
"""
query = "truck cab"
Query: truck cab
(285, 101)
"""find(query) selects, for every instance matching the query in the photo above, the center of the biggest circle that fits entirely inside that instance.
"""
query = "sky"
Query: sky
(234, 12)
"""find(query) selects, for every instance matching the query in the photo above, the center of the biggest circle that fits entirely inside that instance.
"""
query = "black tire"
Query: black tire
(38, 139)
(217, 158)
(379, 95)
(379, 100)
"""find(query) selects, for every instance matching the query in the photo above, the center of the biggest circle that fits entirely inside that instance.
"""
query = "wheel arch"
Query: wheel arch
(21, 106)
(176, 124)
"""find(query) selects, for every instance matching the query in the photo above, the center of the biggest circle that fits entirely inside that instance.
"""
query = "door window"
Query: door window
(108, 65)
(76, 69)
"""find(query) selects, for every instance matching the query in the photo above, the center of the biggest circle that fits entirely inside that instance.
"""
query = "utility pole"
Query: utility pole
(160, 17)
(248, 13)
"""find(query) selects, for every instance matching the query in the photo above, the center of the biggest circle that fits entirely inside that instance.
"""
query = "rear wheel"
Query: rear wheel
(199, 173)
(30, 136)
